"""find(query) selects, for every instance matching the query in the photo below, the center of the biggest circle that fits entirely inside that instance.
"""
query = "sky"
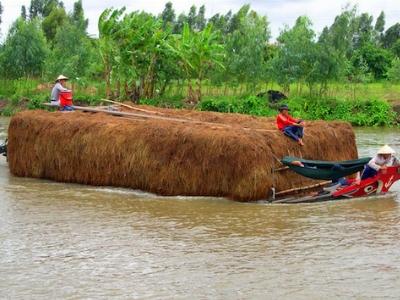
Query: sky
(279, 12)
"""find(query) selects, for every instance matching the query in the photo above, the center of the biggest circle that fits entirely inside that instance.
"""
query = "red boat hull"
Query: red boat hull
(378, 184)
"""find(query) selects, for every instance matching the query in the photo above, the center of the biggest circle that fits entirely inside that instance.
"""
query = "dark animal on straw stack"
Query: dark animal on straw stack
(183, 153)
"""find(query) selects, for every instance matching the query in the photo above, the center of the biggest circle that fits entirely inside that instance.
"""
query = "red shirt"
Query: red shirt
(282, 121)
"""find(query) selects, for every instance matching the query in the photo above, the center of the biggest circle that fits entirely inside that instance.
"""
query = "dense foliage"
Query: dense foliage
(370, 112)
(144, 57)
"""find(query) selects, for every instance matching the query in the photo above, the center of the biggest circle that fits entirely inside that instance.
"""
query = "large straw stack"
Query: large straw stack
(226, 155)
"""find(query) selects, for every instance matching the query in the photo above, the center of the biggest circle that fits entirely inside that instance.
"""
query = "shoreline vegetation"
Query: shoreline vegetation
(375, 104)
(226, 63)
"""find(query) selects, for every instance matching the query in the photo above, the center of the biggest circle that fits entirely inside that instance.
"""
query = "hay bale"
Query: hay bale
(231, 155)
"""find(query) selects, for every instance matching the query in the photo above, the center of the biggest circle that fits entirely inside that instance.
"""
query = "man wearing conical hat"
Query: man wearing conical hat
(384, 158)
(58, 87)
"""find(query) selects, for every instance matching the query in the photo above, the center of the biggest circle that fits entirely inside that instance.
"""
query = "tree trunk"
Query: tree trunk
(107, 75)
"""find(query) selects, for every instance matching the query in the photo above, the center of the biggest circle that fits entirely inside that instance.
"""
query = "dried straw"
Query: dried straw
(168, 157)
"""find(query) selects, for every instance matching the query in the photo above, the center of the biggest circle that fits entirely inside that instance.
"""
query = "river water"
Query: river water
(73, 241)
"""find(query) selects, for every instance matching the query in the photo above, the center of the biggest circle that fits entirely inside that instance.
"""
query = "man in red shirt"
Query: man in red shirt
(290, 126)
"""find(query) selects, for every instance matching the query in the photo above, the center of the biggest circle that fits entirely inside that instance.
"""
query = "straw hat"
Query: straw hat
(386, 150)
(61, 77)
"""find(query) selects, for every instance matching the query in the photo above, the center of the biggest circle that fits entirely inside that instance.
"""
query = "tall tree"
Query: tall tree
(168, 15)
(364, 30)
(221, 22)
(201, 21)
(380, 23)
(78, 17)
(23, 12)
(42, 8)
(36, 8)
(71, 53)
(392, 34)
(246, 47)
(56, 19)
(296, 60)
(234, 21)
(380, 26)
(24, 50)
(191, 18)
(341, 33)
(49, 6)
(1, 11)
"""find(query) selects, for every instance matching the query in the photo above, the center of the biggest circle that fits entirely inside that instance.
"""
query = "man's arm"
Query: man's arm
(372, 163)
(296, 122)
(61, 88)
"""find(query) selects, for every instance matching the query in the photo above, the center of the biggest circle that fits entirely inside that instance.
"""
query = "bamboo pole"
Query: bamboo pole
(132, 107)
(166, 118)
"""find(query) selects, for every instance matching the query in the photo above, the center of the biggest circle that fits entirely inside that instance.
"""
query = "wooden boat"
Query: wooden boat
(377, 185)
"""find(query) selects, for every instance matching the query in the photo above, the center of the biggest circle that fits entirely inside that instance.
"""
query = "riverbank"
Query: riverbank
(375, 104)
(369, 112)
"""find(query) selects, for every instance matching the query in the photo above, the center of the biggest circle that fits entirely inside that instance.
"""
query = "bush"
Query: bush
(360, 112)
(170, 102)
(248, 105)
(8, 110)
(373, 112)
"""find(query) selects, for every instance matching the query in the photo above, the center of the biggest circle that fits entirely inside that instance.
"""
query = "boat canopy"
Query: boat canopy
(325, 170)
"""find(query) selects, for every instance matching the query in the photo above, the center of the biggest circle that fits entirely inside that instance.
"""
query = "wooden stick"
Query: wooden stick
(167, 118)
(132, 107)
(281, 169)
(302, 188)
(145, 116)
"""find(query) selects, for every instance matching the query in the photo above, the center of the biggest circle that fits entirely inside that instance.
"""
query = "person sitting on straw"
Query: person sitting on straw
(290, 126)
(59, 88)
(384, 158)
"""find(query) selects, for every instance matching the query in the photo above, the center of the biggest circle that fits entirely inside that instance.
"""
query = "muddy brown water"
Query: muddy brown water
(72, 241)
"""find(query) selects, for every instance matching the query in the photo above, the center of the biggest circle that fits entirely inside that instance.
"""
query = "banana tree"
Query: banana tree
(131, 47)
(142, 41)
(198, 52)
(109, 25)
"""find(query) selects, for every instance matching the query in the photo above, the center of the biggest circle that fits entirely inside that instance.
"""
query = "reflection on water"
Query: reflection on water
(73, 241)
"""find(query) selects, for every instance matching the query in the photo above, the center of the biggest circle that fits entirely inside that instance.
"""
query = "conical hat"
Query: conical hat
(386, 150)
(61, 77)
